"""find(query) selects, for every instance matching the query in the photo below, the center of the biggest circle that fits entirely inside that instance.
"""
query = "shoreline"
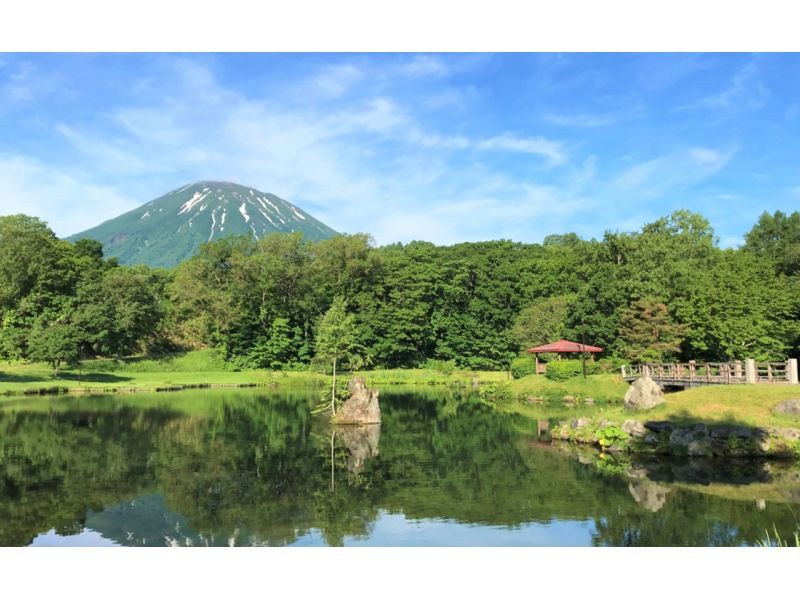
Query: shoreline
(689, 439)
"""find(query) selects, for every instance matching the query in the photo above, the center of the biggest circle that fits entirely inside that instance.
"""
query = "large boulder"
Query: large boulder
(362, 407)
(643, 394)
(788, 407)
(634, 427)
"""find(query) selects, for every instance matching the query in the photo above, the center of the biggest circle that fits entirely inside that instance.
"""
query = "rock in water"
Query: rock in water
(362, 407)
(643, 394)
(788, 407)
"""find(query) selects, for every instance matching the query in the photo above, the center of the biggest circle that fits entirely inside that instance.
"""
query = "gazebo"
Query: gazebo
(562, 346)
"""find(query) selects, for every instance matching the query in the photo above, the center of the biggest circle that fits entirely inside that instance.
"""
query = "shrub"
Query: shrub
(497, 393)
(609, 435)
(612, 365)
(569, 368)
(523, 366)
(440, 365)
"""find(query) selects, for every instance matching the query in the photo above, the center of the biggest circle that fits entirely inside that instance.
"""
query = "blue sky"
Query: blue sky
(446, 148)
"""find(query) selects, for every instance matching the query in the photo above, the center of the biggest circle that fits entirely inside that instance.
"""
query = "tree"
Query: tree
(777, 237)
(277, 349)
(336, 341)
(541, 322)
(121, 309)
(57, 345)
(648, 331)
(740, 308)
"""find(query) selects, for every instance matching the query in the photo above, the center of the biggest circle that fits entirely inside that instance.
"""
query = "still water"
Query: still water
(251, 468)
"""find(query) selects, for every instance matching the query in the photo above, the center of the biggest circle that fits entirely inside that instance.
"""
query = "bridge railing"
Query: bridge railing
(710, 372)
(771, 371)
(731, 372)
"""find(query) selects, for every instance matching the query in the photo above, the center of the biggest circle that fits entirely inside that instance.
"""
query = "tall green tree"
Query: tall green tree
(121, 310)
(58, 345)
(739, 308)
(337, 341)
(777, 236)
(648, 332)
(541, 322)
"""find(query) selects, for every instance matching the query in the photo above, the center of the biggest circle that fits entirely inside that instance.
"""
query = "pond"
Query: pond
(257, 468)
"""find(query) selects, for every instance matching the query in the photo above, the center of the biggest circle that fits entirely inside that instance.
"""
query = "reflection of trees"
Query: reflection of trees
(253, 470)
(54, 466)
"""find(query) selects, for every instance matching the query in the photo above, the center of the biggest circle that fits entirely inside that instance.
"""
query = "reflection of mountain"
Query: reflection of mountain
(243, 469)
(144, 521)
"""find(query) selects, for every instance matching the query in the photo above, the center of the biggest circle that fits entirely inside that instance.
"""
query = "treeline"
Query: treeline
(667, 291)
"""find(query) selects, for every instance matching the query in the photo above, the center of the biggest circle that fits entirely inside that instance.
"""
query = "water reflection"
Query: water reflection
(245, 468)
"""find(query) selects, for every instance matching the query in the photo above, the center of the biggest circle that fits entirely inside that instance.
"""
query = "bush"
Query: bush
(523, 366)
(496, 393)
(439, 365)
(569, 368)
(612, 365)
(611, 435)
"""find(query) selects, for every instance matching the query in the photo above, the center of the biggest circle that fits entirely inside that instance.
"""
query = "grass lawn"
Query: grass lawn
(739, 404)
(194, 368)
(198, 368)
(600, 387)
(746, 404)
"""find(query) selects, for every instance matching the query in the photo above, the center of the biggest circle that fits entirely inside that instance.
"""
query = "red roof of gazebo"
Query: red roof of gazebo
(563, 346)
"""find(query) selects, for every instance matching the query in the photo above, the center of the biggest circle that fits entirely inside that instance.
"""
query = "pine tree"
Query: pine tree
(648, 332)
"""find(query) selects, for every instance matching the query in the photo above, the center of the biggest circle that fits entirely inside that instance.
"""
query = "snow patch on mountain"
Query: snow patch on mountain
(196, 198)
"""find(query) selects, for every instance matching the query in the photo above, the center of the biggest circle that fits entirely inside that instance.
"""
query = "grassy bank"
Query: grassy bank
(749, 405)
(197, 368)
(600, 387)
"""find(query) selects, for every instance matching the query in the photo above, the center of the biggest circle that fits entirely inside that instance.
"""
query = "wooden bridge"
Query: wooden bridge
(686, 375)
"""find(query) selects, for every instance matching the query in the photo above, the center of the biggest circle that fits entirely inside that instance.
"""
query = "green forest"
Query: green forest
(667, 291)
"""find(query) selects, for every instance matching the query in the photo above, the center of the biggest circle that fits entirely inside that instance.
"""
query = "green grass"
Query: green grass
(430, 377)
(190, 369)
(744, 405)
(205, 367)
(601, 387)
(747, 404)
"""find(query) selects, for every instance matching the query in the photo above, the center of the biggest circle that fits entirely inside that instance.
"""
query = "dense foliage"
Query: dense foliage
(667, 291)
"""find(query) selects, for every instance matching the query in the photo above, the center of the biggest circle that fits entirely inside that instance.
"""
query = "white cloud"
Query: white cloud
(553, 151)
(335, 80)
(30, 187)
(584, 121)
(680, 169)
(23, 82)
(745, 92)
(423, 66)
(710, 158)
(107, 154)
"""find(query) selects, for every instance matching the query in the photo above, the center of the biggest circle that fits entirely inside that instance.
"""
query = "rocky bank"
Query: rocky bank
(692, 440)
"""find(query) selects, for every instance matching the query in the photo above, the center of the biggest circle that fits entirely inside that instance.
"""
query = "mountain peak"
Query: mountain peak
(170, 228)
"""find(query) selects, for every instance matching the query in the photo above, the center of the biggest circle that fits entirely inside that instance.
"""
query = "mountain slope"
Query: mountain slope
(168, 230)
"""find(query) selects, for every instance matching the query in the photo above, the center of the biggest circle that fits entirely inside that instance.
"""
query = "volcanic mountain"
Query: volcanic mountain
(168, 230)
